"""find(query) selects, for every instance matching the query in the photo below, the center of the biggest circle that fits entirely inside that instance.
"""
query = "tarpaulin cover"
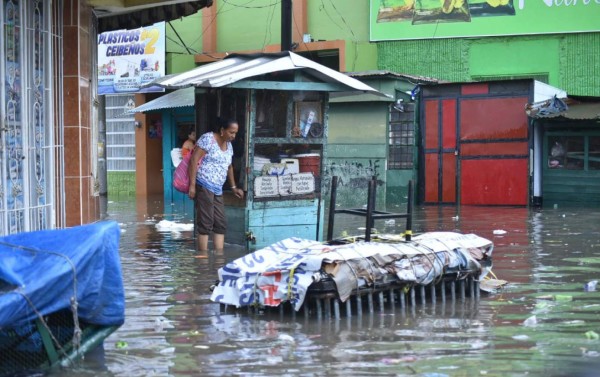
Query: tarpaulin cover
(41, 271)
(285, 270)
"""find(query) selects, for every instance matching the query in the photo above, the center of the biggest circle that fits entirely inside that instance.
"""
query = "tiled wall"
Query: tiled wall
(81, 206)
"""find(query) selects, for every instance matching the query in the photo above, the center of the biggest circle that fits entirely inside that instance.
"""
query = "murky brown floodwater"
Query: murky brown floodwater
(173, 329)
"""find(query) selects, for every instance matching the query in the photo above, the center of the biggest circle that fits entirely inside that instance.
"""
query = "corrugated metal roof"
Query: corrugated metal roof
(179, 98)
(238, 67)
(581, 111)
(415, 78)
(564, 108)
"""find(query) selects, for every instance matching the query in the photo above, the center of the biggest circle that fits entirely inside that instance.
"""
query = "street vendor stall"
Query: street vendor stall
(280, 102)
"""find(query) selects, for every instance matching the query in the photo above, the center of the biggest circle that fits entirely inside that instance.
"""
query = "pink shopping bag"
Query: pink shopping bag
(181, 179)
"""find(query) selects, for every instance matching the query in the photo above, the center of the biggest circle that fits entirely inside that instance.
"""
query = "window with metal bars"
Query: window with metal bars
(401, 137)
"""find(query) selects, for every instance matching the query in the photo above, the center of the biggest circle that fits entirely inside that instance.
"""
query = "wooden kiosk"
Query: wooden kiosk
(281, 103)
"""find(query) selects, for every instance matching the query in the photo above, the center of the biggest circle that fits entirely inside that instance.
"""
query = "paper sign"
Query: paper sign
(285, 184)
(265, 186)
(303, 183)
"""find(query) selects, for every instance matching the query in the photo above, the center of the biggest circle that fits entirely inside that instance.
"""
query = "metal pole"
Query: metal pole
(286, 25)
(102, 168)
(370, 209)
(334, 182)
(409, 210)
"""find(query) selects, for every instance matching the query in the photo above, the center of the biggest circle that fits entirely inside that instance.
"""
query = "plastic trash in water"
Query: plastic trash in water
(531, 321)
(590, 286)
(499, 232)
(172, 226)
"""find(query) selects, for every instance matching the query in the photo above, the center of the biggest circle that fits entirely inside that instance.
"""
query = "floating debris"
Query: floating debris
(531, 321)
(590, 286)
(172, 226)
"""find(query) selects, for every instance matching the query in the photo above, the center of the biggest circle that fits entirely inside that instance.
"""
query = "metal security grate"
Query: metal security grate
(401, 137)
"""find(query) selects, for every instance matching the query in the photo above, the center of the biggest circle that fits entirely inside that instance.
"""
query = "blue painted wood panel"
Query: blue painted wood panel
(283, 216)
(277, 220)
(266, 236)
(302, 203)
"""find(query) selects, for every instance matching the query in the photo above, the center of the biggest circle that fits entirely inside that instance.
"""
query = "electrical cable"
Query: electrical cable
(269, 24)
(179, 36)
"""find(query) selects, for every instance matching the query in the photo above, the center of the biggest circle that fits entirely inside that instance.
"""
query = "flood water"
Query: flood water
(542, 323)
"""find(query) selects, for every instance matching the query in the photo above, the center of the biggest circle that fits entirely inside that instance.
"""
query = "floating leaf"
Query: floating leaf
(563, 298)
(592, 335)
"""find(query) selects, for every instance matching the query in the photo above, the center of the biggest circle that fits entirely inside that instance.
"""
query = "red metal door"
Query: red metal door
(440, 151)
(493, 144)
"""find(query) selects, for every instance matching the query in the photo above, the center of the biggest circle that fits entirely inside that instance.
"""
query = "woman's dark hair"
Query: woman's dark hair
(224, 123)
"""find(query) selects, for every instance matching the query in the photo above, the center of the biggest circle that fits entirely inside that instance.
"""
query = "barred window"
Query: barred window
(401, 137)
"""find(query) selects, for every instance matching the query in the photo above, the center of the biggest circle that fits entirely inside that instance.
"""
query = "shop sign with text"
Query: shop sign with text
(130, 59)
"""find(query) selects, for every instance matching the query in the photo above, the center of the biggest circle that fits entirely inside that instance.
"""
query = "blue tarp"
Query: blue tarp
(40, 271)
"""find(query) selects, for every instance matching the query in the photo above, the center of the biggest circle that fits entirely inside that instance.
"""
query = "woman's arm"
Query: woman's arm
(197, 154)
(236, 190)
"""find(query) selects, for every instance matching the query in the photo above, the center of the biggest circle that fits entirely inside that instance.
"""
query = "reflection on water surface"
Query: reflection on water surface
(543, 323)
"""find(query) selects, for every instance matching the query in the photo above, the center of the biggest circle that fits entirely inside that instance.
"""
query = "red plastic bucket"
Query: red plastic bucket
(309, 163)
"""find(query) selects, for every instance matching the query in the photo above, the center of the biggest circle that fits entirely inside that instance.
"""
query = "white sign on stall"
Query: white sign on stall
(285, 184)
(303, 183)
(265, 186)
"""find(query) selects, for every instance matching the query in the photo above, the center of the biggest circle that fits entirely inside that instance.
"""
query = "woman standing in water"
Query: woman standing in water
(206, 182)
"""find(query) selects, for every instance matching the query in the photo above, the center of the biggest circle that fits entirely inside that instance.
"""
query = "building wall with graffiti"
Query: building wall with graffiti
(357, 150)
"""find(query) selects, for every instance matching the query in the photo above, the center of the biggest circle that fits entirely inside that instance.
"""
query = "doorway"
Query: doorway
(475, 150)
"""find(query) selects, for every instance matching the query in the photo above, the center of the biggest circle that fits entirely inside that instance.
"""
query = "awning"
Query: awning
(237, 69)
(566, 108)
(126, 16)
(179, 98)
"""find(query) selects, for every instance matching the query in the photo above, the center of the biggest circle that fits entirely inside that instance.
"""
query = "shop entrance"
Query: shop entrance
(475, 146)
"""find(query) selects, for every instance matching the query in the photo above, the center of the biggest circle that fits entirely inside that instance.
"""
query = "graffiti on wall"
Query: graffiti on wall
(355, 174)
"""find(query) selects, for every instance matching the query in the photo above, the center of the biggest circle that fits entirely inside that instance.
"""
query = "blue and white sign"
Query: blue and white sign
(129, 59)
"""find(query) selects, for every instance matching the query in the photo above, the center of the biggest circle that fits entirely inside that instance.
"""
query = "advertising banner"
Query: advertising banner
(427, 19)
(129, 59)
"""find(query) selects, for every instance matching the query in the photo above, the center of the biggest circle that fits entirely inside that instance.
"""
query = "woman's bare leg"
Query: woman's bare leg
(218, 241)
(203, 242)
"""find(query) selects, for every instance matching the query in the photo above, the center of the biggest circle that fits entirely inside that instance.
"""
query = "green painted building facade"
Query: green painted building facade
(568, 61)
(360, 129)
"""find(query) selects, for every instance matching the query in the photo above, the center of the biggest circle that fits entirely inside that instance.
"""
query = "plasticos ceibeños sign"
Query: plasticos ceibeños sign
(130, 59)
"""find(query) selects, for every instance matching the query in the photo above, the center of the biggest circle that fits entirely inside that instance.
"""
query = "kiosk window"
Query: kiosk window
(567, 152)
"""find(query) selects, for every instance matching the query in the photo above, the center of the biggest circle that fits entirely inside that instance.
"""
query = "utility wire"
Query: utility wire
(298, 30)
(355, 40)
(228, 2)
(268, 28)
(179, 36)
(179, 44)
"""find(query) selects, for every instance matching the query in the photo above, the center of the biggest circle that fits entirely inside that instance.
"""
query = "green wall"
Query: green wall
(178, 57)
(570, 61)
(258, 24)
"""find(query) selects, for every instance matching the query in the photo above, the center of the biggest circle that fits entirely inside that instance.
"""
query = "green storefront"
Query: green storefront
(570, 161)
